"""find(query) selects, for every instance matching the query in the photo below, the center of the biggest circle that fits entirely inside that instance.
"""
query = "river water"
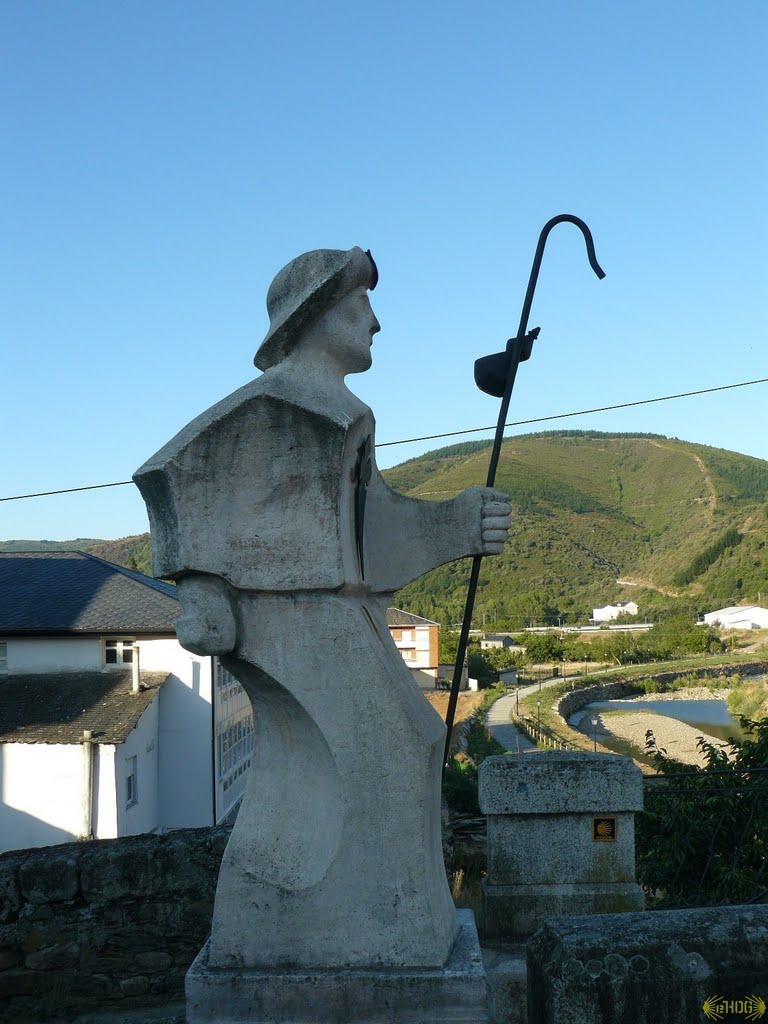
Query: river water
(711, 716)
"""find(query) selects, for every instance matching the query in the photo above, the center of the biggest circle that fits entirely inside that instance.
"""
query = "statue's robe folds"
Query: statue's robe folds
(335, 858)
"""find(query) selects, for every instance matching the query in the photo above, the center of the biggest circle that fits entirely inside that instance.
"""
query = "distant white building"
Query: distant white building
(748, 616)
(499, 640)
(613, 611)
(173, 755)
(416, 639)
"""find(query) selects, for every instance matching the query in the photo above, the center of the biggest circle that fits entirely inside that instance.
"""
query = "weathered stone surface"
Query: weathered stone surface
(154, 962)
(9, 958)
(10, 893)
(559, 782)
(98, 988)
(35, 912)
(646, 967)
(115, 941)
(535, 850)
(543, 857)
(53, 958)
(123, 869)
(17, 983)
(505, 968)
(135, 986)
(46, 879)
(453, 994)
(516, 911)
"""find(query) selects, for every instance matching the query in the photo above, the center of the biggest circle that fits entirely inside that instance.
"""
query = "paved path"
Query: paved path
(498, 715)
(499, 726)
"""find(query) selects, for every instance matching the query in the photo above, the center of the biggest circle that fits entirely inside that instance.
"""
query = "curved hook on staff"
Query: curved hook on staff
(560, 219)
(495, 375)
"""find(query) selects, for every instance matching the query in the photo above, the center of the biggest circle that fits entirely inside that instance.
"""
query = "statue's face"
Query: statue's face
(350, 326)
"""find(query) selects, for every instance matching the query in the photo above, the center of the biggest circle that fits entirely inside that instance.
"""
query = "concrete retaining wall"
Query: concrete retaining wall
(104, 925)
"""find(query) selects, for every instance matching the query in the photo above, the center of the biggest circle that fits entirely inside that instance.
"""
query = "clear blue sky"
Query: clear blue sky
(161, 161)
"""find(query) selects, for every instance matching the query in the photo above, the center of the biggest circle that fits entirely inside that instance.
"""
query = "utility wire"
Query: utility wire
(455, 433)
(581, 412)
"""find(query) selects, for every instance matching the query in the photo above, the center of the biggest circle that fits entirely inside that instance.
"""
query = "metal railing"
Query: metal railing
(537, 735)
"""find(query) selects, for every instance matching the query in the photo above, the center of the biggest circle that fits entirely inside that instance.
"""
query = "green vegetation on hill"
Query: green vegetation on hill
(708, 557)
(683, 525)
(598, 518)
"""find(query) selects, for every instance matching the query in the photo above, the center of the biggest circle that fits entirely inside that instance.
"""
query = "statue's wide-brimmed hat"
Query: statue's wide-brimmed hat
(306, 288)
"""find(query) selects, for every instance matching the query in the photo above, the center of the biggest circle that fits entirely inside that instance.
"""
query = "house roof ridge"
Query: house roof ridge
(136, 575)
(416, 619)
(68, 591)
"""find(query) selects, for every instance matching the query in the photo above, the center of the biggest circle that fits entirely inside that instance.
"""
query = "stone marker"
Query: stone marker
(561, 837)
(287, 545)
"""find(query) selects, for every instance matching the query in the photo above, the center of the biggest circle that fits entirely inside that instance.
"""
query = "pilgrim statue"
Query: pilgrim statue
(287, 546)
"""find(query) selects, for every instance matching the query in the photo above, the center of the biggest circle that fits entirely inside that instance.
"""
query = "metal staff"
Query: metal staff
(495, 375)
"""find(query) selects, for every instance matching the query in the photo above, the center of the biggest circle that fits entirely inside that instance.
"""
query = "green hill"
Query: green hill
(597, 518)
(600, 518)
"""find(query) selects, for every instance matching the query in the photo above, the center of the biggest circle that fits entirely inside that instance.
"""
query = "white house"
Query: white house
(417, 639)
(172, 755)
(739, 617)
(499, 640)
(612, 611)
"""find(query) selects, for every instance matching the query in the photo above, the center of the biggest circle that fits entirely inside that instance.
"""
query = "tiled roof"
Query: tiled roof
(55, 707)
(73, 592)
(397, 617)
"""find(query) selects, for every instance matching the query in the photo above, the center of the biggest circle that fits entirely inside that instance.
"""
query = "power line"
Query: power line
(67, 490)
(581, 412)
(455, 433)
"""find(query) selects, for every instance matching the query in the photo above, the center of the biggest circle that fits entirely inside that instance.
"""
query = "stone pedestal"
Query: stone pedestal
(452, 994)
(561, 838)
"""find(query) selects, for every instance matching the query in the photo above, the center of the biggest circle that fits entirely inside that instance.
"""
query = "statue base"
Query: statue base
(452, 994)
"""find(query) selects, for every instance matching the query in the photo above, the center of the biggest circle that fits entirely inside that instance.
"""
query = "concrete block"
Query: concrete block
(644, 968)
(514, 912)
(559, 782)
(453, 994)
(561, 838)
(507, 974)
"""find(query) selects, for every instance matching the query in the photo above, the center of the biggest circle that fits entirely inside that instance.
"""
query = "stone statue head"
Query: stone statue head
(304, 289)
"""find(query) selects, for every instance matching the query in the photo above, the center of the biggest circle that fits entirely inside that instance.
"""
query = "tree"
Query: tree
(479, 669)
(703, 836)
(447, 646)
(499, 658)
(540, 647)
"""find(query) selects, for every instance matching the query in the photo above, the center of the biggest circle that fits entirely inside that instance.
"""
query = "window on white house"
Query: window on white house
(131, 782)
(407, 636)
(118, 652)
(3, 656)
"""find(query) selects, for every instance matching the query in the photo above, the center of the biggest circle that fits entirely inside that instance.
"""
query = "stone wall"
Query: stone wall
(647, 968)
(104, 925)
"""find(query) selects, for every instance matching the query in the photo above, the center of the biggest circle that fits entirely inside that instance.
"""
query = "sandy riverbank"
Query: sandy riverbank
(677, 738)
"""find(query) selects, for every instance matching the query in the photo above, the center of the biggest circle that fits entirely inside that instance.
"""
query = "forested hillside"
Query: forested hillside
(597, 518)
(601, 518)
